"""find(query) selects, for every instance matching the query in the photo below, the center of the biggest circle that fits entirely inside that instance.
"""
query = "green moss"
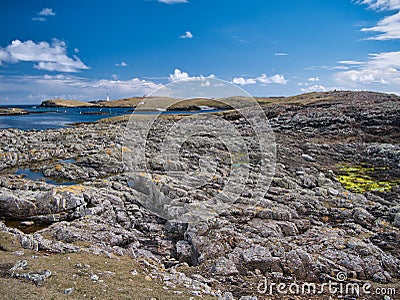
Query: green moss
(361, 178)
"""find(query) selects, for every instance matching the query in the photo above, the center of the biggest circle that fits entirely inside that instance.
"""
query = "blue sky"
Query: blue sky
(85, 49)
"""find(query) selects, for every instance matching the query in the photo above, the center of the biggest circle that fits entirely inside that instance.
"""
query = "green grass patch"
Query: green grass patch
(74, 270)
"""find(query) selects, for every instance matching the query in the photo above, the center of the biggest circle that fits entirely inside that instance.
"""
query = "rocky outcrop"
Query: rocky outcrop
(309, 226)
(65, 103)
(12, 111)
(47, 206)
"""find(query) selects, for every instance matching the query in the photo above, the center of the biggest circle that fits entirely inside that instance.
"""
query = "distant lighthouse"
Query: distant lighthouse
(108, 98)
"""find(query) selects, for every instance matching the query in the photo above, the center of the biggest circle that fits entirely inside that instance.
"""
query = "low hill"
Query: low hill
(198, 103)
(12, 111)
(65, 103)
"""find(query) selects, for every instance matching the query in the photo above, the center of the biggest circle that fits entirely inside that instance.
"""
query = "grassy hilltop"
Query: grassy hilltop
(218, 103)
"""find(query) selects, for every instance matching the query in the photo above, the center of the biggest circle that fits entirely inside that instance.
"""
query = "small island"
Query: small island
(12, 111)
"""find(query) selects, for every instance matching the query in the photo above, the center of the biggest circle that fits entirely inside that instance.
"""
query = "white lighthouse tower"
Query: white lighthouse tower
(108, 98)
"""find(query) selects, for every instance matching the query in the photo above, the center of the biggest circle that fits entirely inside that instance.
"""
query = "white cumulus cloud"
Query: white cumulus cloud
(263, 79)
(313, 79)
(314, 88)
(383, 68)
(351, 62)
(243, 81)
(277, 78)
(381, 4)
(180, 75)
(122, 64)
(187, 35)
(47, 12)
(50, 57)
(389, 27)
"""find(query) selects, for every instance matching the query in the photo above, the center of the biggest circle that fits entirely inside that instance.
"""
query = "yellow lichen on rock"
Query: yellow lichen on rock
(361, 179)
(75, 189)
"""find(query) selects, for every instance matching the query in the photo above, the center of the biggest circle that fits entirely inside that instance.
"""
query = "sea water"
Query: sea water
(41, 118)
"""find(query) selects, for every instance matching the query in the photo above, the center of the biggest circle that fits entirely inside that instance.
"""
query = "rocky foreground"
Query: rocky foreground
(333, 208)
